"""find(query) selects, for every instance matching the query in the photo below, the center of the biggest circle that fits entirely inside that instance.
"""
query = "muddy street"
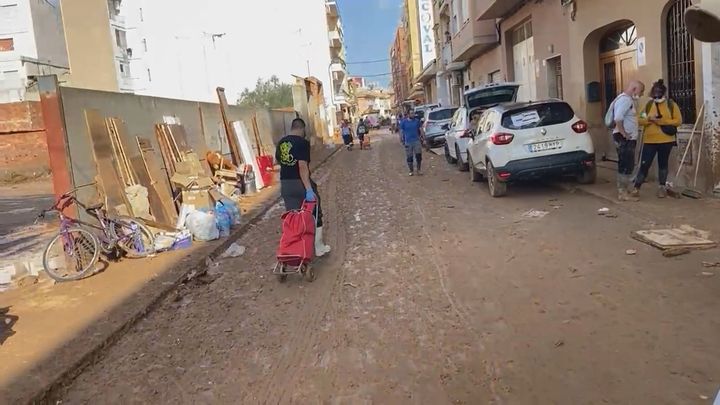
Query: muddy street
(434, 293)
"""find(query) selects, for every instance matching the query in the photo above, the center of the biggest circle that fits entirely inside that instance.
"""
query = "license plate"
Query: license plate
(543, 146)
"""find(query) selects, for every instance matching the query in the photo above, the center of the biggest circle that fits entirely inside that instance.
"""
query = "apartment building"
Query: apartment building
(399, 66)
(373, 101)
(97, 44)
(32, 43)
(340, 95)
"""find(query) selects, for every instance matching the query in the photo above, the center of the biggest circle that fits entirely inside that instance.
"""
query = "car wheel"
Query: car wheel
(449, 158)
(588, 176)
(495, 186)
(463, 167)
(474, 175)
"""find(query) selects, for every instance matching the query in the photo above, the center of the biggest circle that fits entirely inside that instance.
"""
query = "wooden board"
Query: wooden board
(159, 178)
(165, 151)
(123, 148)
(107, 173)
(673, 238)
(179, 136)
(157, 208)
(235, 152)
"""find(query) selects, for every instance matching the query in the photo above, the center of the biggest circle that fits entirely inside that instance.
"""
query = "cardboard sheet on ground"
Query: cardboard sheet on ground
(683, 237)
(248, 154)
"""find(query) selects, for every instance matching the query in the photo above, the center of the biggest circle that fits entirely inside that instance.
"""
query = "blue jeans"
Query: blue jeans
(413, 153)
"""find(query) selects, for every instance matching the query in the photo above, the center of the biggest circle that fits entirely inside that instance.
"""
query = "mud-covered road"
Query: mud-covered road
(435, 293)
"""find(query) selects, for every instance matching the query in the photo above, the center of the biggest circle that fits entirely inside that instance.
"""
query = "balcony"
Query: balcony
(443, 6)
(336, 40)
(331, 8)
(492, 9)
(118, 21)
(338, 67)
(474, 38)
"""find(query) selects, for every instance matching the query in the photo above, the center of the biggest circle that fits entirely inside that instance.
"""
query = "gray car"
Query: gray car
(436, 123)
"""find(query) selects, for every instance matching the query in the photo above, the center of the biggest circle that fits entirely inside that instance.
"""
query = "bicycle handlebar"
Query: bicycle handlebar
(66, 200)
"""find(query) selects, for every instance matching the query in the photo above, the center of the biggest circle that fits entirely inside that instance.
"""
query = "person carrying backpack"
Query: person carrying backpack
(660, 120)
(361, 131)
(347, 134)
(622, 119)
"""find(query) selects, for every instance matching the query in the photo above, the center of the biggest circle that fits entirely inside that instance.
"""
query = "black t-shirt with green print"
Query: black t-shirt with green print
(289, 151)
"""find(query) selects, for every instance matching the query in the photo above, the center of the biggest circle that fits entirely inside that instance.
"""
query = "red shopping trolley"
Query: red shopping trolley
(297, 243)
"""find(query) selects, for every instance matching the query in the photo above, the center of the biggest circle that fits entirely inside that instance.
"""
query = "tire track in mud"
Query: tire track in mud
(286, 373)
(492, 369)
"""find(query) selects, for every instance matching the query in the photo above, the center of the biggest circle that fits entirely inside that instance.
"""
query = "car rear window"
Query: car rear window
(538, 116)
(439, 115)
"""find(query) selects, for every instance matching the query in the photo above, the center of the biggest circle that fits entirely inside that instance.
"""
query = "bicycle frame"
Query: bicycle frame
(107, 241)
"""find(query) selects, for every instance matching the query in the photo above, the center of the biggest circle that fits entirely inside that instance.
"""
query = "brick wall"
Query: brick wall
(20, 117)
(23, 148)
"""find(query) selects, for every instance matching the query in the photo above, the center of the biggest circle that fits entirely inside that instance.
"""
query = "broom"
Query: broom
(687, 191)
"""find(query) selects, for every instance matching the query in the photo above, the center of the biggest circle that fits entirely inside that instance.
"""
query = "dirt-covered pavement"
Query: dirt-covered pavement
(434, 293)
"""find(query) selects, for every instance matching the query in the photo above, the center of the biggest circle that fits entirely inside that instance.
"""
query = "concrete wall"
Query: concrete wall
(141, 113)
(49, 32)
(550, 22)
(89, 45)
(489, 62)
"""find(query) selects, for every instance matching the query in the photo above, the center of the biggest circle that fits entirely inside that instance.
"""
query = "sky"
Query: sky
(369, 31)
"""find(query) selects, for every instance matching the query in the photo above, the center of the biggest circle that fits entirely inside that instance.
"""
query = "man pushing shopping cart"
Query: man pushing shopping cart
(300, 241)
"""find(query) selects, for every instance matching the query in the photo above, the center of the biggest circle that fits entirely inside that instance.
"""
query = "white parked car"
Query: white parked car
(523, 141)
(476, 101)
(436, 124)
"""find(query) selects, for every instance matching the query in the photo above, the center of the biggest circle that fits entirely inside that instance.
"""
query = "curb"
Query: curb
(47, 393)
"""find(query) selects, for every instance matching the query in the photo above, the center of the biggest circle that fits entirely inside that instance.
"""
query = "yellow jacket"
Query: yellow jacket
(652, 132)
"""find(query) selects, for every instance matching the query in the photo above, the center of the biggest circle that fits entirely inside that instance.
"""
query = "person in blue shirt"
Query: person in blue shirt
(411, 137)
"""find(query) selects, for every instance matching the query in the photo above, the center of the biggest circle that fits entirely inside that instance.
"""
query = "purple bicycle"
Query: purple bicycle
(74, 252)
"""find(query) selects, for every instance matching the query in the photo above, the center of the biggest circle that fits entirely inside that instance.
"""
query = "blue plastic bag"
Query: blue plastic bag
(223, 219)
(233, 209)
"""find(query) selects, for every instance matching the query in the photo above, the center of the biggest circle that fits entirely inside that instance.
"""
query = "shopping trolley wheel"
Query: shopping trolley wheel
(309, 273)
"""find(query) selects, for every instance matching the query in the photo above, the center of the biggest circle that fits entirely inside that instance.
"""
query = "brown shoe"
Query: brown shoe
(635, 192)
(624, 195)
(662, 192)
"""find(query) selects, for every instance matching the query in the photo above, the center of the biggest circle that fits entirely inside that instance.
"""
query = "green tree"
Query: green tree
(271, 93)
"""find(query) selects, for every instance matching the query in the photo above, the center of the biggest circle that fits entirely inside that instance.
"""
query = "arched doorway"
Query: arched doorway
(618, 63)
(681, 60)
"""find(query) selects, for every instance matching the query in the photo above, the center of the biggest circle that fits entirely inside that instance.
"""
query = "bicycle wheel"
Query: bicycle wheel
(132, 236)
(71, 255)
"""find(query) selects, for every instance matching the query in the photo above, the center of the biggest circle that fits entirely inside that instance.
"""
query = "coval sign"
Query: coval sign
(427, 33)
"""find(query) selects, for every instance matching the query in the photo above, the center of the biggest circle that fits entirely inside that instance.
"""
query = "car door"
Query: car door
(451, 133)
(474, 144)
(487, 130)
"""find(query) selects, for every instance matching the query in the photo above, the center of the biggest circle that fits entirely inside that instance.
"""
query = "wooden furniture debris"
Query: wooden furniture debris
(675, 238)
(235, 153)
(155, 179)
(108, 172)
(118, 138)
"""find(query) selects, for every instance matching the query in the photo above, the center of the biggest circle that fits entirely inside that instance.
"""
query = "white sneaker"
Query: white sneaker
(411, 174)
(321, 249)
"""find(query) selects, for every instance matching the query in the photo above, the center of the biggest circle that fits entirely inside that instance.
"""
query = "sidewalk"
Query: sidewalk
(56, 330)
(701, 214)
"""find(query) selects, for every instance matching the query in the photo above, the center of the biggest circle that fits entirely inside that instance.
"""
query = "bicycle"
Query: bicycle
(73, 253)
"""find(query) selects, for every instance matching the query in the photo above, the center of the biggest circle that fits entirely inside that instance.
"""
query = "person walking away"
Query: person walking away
(411, 138)
(393, 123)
(660, 121)
(361, 131)
(347, 134)
(296, 186)
(625, 135)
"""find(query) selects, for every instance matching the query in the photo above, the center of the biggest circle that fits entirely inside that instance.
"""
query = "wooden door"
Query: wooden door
(617, 69)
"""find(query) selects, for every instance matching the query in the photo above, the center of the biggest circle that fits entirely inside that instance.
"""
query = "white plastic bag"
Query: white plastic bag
(202, 226)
